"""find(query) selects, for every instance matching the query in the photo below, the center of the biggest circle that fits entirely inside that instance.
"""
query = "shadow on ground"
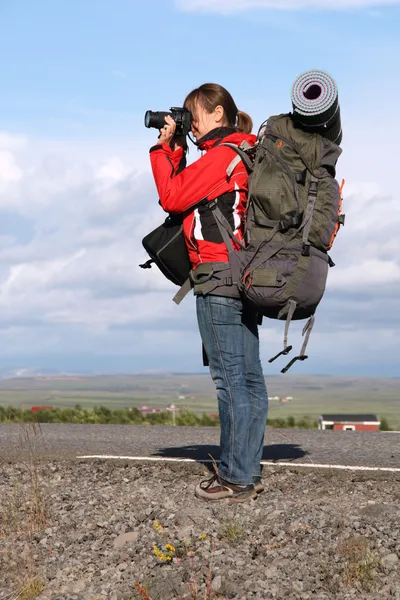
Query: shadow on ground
(201, 452)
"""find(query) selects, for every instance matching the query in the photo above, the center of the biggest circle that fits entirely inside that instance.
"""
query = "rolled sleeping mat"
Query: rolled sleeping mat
(316, 105)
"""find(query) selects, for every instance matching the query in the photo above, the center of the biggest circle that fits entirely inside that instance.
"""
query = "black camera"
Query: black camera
(181, 116)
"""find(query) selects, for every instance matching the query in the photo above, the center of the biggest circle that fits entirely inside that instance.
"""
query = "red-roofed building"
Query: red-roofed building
(349, 422)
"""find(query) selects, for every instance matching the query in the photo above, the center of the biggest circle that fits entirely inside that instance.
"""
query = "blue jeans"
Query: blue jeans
(230, 336)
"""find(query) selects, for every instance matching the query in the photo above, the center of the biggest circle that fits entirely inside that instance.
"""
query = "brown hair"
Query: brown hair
(211, 95)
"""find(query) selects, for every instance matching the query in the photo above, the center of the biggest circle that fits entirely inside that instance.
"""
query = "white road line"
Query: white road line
(264, 462)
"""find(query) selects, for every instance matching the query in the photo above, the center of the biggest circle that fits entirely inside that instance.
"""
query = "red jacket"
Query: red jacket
(204, 179)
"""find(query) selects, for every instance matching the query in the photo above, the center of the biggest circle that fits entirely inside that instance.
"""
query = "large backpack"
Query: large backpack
(293, 215)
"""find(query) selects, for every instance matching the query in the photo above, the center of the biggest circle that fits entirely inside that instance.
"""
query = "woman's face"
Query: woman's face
(203, 121)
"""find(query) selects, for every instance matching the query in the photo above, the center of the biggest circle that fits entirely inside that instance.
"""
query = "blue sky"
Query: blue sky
(76, 194)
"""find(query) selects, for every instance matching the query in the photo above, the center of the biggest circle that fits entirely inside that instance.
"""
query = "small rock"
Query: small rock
(79, 586)
(390, 559)
(51, 574)
(297, 586)
(124, 538)
(216, 583)
(184, 532)
(122, 567)
(273, 515)
(271, 572)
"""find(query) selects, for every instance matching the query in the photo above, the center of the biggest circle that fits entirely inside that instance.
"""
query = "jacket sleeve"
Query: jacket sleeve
(201, 179)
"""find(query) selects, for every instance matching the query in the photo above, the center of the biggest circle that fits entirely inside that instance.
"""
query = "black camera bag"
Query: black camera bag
(167, 249)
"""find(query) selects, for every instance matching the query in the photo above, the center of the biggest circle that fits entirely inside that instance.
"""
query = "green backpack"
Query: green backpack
(293, 215)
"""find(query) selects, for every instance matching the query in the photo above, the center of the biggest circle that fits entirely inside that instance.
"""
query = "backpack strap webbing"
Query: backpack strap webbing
(312, 197)
(307, 332)
(203, 281)
(242, 152)
(200, 278)
(284, 225)
(183, 291)
(224, 227)
(288, 309)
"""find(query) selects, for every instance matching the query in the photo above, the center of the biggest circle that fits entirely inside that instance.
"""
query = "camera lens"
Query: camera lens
(155, 119)
(147, 118)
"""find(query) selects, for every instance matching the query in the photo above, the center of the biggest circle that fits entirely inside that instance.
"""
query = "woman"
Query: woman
(227, 327)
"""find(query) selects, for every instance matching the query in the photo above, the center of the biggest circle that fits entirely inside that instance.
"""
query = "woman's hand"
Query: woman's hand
(167, 135)
(168, 131)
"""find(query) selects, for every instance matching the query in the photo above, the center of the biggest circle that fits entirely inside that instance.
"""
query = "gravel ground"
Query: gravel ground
(122, 531)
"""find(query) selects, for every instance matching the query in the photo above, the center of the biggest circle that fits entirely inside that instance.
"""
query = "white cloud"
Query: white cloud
(367, 249)
(9, 170)
(89, 216)
(114, 169)
(366, 273)
(231, 6)
(12, 142)
(75, 284)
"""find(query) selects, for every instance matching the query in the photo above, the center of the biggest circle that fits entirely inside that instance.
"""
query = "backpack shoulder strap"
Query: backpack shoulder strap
(312, 197)
(243, 151)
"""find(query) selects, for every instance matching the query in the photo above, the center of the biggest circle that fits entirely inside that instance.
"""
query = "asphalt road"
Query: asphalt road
(366, 449)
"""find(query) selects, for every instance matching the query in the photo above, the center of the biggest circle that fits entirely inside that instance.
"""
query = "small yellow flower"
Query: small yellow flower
(157, 526)
(202, 536)
(169, 547)
(162, 556)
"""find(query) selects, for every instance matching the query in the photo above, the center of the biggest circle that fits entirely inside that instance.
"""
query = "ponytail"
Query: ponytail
(244, 122)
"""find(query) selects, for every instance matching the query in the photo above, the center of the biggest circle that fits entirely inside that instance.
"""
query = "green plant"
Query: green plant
(37, 503)
(24, 504)
(31, 588)
(232, 530)
(184, 557)
(101, 414)
(362, 562)
(384, 425)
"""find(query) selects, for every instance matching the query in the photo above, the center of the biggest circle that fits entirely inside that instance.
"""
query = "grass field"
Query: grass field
(312, 395)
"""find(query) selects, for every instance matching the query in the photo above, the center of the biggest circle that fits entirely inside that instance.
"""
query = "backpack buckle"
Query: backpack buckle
(297, 219)
(147, 264)
(283, 225)
(313, 188)
(283, 353)
(292, 222)
(301, 177)
(301, 357)
(306, 250)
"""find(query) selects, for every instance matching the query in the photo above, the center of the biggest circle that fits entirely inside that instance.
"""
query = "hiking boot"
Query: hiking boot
(216, 489)
(258, 485)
